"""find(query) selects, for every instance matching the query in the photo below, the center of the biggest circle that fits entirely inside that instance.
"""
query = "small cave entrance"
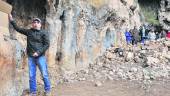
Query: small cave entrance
(150, 10)
(150, 3)
(28, 9)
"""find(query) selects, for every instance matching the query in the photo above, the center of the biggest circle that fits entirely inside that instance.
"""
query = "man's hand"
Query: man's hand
(10, 17)
(35, 54)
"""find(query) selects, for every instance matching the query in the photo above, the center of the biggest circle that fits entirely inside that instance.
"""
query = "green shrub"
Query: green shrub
(150, 15)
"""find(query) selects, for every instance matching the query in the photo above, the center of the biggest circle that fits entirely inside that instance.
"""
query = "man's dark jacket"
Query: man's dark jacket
(37, 40)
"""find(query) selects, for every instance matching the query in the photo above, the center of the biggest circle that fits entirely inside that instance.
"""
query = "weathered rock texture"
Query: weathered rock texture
(7, 65)
(164, 14)
(145, 63)
(80, 31)
(10, 56)
(160, 10)
(12, 79)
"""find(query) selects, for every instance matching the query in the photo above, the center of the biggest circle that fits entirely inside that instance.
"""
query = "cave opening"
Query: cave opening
(149, 2)
(28, 9)
(150, 10)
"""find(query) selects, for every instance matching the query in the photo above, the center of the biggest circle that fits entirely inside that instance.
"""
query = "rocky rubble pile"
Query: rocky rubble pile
(143, 62)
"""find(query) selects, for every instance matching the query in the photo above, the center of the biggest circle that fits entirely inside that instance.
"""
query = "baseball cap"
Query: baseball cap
(36, 19)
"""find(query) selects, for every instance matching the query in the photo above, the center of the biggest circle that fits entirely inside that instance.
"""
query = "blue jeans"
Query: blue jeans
(42, 65)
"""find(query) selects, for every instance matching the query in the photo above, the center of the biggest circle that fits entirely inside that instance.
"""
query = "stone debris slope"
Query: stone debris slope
(143, 62)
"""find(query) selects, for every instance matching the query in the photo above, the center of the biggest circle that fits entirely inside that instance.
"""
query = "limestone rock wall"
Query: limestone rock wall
(79, 30)
(13, 80)
(164, 14)
(82, 30)
(10, 58)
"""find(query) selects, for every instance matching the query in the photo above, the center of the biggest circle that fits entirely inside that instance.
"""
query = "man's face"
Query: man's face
(36, 25)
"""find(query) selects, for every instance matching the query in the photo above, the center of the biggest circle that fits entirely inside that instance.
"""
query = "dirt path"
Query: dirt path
(113, 88)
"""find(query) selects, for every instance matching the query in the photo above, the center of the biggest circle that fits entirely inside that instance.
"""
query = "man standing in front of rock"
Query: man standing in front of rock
(37, 44)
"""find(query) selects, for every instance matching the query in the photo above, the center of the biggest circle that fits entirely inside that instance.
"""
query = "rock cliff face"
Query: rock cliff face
(10, 57)
(80, 31)
(7, 66)
(164, 14)
(12, 78)
(158, 12)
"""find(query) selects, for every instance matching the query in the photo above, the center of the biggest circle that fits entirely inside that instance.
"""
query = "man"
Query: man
(128, 36)
(37, 44)
(163, 34)
(135, 35)
(142, 33)
(152, 35)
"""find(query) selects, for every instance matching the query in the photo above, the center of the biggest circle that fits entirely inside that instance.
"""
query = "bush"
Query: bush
(150, 15)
